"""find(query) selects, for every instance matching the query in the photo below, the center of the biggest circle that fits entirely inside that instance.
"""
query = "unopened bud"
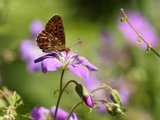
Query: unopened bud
(115, 97)
(124, 17)
(84, 95)
(115, 109)
(139, 42)
(148, 48)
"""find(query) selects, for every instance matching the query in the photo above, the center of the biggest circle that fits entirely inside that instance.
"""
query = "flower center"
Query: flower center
(66, 58)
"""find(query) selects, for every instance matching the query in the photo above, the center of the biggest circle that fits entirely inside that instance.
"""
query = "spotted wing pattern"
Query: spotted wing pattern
(52, 38)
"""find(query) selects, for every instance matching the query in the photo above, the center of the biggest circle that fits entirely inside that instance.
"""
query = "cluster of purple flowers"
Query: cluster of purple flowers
(80, 66)
(29, 49)
(41, 113)
(121, 85)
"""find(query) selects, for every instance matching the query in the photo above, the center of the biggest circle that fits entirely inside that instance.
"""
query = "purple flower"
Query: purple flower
(123, 87)
(62, 115)
(29, 52)
(77, 65)
(107, 48)
(93, 83)
(41, 113)
(85, 95)
(88, 101)
(141, 24)
(36, 27)
(111, 53)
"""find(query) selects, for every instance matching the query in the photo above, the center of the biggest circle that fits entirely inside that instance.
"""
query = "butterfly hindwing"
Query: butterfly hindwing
(44, 42)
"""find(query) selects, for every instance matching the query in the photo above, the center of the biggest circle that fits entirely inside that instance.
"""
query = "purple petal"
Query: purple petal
(29, 52)
(124, 96)
(36, 27)
(101, 107)
(62, 115)
(39, 113)
(50, 64)
(26, 48)
(89, 101)
(71, 55)
(31, 66)
(90, 66)
(74, 116)
(79, 70)
(92, 83)
(77, 60)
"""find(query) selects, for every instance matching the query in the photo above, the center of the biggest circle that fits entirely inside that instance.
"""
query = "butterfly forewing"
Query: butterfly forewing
(52, 38)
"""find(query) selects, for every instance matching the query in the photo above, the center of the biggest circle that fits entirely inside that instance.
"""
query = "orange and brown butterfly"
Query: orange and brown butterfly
(52, 38)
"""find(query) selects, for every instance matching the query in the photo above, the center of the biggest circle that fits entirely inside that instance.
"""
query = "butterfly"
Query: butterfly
(52, 38)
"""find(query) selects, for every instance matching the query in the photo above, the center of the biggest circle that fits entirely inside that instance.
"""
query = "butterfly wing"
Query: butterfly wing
(53, 37)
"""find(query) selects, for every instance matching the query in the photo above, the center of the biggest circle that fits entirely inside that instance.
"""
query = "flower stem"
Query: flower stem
(103, 87)
(138, 34)
(74, 107)
(60, 94)
(155, 52)
(71, 81)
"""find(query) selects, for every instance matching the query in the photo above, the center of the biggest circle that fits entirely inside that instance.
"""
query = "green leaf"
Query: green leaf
(23, 109)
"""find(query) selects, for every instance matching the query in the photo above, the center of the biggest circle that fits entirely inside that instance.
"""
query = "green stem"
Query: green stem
(60, 94)
(74, 107)
(155, 52)
(71, 81)
(138, 34)
(103, 87)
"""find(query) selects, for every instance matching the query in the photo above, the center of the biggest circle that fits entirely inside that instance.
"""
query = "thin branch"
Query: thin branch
(124, 18)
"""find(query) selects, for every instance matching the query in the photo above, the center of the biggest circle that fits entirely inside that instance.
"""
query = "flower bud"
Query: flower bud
(115, 97)
(124, 17)
(115, 109)
(85, 95)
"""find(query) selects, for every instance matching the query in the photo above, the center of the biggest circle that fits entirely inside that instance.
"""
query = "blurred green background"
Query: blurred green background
(84, 19)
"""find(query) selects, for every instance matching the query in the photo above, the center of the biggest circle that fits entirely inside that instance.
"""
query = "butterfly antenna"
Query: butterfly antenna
(77, 43)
